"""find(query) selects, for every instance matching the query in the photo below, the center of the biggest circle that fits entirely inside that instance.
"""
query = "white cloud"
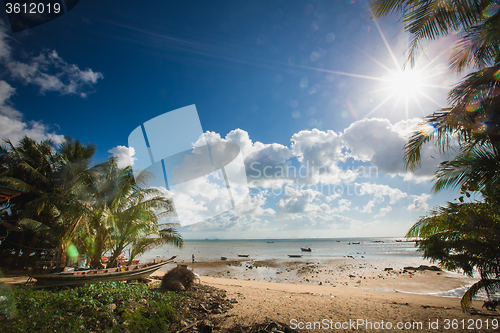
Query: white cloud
(252, 205)
(52, 73)
(297, 201)
(368, 207)
(379, 191)
(48, 71)
(420, 202)
(124, 155)
(383, 211)
(263, 162)
(344, 204)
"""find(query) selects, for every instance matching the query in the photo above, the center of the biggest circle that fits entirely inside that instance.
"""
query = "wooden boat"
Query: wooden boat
(306, 249)
(223, 258)
(243, 255)
(355, 242)
(132, 272)
(295, 255)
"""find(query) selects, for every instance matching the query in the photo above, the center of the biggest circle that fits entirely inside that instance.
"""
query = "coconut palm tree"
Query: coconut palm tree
(464, 236)
(50, 180)
(475, 21)
(122, 214)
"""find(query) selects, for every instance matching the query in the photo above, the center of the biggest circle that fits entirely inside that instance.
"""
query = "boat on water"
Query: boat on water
(295, 255)
(132, 272)
(305, 249)
(355, 243)
(243, 255)
(223, 258)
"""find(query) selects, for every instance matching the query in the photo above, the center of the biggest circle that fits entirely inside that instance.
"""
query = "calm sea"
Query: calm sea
(262, 249)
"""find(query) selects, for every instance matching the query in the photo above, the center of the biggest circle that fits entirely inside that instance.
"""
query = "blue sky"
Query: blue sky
(290, 82)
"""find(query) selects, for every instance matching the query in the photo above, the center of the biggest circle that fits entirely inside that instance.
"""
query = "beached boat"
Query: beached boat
(223, 258)
(132, 272)
(306, 249)
(295, 255)
(243, 255)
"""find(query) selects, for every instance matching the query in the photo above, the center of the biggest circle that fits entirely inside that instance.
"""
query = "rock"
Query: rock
(387, 269)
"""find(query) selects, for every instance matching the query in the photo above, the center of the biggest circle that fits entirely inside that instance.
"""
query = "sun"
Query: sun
(406, 83)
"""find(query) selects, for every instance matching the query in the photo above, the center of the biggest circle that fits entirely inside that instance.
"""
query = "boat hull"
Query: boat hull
(133, 272)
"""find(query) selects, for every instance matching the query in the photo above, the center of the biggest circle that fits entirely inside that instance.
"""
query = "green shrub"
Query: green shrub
(84, 309)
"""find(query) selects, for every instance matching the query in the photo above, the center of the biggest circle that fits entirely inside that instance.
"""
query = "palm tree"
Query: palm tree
(464, 236)
(49, 178)
(137, 220)
(477, 25)
(461, 236)
(124, 214)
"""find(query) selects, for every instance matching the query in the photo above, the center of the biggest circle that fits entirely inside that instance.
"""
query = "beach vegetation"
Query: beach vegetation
(71, 210)
(462, 235)
(99, 307)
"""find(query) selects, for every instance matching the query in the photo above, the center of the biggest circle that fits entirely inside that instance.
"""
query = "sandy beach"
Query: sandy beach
(342, 295)
(338, 295)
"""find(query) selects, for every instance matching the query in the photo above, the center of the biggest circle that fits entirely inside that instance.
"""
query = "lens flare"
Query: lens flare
(491, 10)
(427, 129)
(474, 106)
(497, 75)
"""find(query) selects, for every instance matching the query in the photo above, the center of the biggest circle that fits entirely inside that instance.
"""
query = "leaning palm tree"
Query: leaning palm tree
(137, 220)
(464, 237)
(122, 214)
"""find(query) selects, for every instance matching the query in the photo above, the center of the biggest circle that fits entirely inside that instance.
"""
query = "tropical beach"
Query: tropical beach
(248, 167)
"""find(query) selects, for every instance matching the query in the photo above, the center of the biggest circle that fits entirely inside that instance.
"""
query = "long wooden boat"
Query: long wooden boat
(243, 255)
(126, 273)
(295, 255)
(305, 249)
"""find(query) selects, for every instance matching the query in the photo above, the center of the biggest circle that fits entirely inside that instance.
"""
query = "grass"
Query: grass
(99, 307)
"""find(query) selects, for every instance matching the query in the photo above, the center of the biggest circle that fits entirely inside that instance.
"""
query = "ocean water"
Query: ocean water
(264, 249)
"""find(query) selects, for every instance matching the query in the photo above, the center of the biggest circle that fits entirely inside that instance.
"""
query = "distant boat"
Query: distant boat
(133, 272)
(337, 241)
(306, 249)
(398, 240)
(243, 255)
(223, 258)
(270, 242)
(355, 242)
(377, 241)
(295, 255)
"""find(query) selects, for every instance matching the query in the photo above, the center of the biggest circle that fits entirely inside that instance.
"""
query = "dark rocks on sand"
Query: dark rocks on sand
(178, 279)
(422, 268)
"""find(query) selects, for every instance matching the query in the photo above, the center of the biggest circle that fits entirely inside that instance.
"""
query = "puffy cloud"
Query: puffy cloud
(13, 127)
(383, 211)
(265, 164)
(124, 155)
(380, 191)
(344, 204)
(420, 202)
(381, 143)
(368, 207)
(297, 201)
(252, 205)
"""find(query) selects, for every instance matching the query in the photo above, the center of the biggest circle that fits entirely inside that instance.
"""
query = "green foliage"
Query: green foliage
(464, 237)
(84, 309)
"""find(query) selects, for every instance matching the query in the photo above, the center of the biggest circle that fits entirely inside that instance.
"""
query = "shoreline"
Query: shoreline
(353, 273)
